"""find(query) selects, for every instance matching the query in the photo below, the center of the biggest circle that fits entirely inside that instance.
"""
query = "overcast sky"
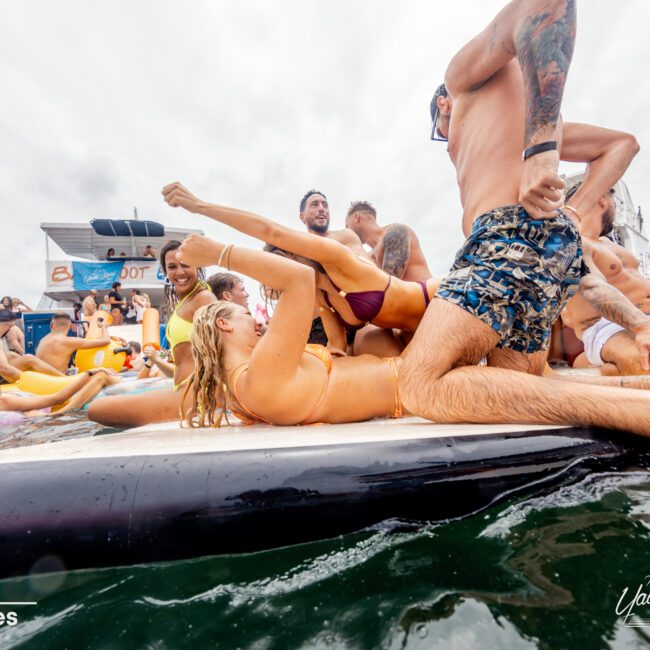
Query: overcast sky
(252, 103)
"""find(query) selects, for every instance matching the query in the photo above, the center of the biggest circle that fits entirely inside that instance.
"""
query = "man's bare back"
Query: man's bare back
(56, 348)
(395, 248)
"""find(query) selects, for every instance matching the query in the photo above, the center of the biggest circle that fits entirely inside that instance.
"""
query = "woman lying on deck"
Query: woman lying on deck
(277, 378)
(353, 287)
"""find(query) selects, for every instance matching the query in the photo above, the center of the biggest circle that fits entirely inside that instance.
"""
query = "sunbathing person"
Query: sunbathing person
(395, 248)
(79, 392)
(607, 345)
(353, 287)
(277, 378)
(185, 292)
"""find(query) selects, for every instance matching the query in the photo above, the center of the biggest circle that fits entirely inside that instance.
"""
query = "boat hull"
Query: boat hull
(85, 503)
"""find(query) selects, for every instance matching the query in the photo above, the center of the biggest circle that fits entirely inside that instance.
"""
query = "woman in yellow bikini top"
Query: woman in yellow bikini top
(185, 293)
(276, 378)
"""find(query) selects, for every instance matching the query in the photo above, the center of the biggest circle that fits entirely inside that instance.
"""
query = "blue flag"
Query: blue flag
(95, 275)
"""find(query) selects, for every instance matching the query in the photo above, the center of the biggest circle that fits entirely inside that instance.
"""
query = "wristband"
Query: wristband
(572, 209)
(224, 250)
(146, 365)
(551, 145)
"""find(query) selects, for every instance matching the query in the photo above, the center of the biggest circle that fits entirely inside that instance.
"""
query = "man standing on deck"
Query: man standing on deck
(89, 306)
(522, 260)
(395, 248)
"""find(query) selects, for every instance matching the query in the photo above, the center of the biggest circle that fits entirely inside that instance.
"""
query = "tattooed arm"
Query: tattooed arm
(397, 250)
(615, 307)
(541, 35)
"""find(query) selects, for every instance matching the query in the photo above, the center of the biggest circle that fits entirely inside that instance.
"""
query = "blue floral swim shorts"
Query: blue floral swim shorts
(516, 274)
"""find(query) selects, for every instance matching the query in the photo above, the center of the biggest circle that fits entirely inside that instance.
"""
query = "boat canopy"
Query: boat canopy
(92, 241)
(127, 228)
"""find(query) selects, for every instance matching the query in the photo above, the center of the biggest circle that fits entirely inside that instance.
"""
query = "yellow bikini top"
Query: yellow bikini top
(178, 329)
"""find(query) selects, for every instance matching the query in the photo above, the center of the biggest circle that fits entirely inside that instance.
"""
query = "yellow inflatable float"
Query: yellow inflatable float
(39, 383)
(103, 357)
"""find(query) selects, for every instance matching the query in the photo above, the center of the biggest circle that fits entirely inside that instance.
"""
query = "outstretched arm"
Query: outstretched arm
(320, 249)
(614, 306)
(280, 350)
(541, 35)
(607, 153)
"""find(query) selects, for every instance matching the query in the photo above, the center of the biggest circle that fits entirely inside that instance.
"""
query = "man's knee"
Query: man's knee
(417, 382)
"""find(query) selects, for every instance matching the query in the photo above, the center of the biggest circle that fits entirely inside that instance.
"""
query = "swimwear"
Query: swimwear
(322, 353)
(178, 329)
(399, 410)
(249, 417)
(365, 305)
(516, 274)
(595, 337)
(423, 284)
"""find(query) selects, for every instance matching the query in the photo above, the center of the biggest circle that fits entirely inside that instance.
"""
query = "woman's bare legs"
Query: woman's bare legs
(136, 410)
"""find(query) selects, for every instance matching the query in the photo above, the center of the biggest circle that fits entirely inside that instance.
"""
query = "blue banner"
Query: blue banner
(95, 275)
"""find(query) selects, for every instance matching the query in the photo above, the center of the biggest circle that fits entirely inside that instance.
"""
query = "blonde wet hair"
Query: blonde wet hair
(209, 381)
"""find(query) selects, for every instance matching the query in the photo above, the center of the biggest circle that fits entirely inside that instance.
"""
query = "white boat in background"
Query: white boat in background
(88, 245)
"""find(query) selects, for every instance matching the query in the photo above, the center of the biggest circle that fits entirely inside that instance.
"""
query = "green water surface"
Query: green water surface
(540, 572)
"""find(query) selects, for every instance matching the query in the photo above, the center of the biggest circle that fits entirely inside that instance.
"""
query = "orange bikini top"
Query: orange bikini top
(319, 351)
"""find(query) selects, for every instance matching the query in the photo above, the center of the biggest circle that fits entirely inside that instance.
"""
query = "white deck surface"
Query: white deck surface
(169, 438)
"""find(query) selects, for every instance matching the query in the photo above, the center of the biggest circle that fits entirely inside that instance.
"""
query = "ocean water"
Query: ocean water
(565, 568)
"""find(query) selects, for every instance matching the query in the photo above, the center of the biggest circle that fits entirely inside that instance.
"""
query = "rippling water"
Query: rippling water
(541, 572)
(24, 431)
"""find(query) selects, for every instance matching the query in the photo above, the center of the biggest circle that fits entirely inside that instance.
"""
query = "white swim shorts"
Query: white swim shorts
(595, 337)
